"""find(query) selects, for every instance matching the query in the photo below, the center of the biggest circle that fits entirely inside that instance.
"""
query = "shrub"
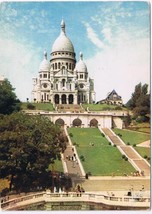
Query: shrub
(30, 106)
(114, 145)
(109, 143)
(118, 108)
(145, 156)
(128, 143)
(126, 159)
(102, 135)
(70, 134)
(134, 145)
(123, 156)
(82, 158)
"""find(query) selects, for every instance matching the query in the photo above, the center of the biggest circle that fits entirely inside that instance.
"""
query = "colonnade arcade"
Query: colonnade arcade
(77, 122)
(63, 99)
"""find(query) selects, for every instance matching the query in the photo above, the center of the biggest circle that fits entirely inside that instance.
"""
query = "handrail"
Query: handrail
(47, 196)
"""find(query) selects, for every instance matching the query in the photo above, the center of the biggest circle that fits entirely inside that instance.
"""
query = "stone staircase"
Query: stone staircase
(72, 108)
(136, 160)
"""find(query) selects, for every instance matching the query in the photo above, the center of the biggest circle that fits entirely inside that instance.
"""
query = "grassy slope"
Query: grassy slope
(135, 138)
(39, 106)
(132, 137)
(101, 107)
(100, 159)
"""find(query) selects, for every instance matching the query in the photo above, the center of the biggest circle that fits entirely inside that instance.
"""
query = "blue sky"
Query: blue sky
(113, 36)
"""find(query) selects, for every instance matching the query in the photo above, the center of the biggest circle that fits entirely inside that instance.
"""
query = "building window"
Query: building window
(81, 85)
(40, 75)
(45, 85)
(70, 86)
(81, 76)
(44, 75)
(59, 65)
(63, 83)
(55, 65)
(67, 65)
(70, 66)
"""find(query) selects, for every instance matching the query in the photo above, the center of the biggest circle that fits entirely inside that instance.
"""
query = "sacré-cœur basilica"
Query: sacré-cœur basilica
(62, 80)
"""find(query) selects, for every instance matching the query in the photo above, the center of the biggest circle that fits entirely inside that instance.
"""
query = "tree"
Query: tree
(28, 144)
(140, 103)
(8, 99)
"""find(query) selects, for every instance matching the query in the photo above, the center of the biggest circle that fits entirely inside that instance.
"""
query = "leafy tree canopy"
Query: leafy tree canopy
(28, 144)
(140, 103)
(8, 100)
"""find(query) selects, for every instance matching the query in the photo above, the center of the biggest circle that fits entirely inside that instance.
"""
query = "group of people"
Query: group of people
(79, 190)
(137, 173)
(72, 158)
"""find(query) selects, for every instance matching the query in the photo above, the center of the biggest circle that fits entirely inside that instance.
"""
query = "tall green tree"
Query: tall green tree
(140, 103)
(28, 144)
(8, 99)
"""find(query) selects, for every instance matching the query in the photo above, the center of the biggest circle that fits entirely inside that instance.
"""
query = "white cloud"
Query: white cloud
(120, 68)
(19, 63)
(93, 36)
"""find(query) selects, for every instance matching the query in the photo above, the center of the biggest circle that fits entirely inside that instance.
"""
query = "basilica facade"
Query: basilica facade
(62, 80)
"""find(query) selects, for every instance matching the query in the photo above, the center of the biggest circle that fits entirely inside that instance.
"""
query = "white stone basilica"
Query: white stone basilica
(62, 80)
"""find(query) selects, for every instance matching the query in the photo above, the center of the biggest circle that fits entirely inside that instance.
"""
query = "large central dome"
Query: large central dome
(62, 43)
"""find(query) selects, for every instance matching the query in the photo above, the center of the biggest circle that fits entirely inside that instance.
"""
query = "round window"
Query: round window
(81, 85)
(45, 85)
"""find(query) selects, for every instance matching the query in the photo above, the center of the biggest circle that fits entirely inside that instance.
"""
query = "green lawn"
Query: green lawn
(57, 166)
(144, 151)
(100, 159)
(132, 137)
(39, 106)
(101, 107)
(141, 127)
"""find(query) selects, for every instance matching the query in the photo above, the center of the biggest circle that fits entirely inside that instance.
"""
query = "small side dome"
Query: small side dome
(81, 66)
(44, 65)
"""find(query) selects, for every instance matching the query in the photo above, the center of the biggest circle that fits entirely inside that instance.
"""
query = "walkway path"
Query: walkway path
(135, 159)
(71, 159)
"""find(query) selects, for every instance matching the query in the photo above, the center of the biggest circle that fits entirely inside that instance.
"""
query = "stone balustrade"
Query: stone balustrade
(47, 196)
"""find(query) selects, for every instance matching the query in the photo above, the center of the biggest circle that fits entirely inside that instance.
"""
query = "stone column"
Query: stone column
(67, 98)
(60, 99)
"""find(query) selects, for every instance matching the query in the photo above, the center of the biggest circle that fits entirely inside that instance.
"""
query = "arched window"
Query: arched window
(56, 99)
(60, 122)
(63, 83)
(77, 122)
(59, 65)
(94, 123)
(67, 65)
(70, 66)
(55, 65)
